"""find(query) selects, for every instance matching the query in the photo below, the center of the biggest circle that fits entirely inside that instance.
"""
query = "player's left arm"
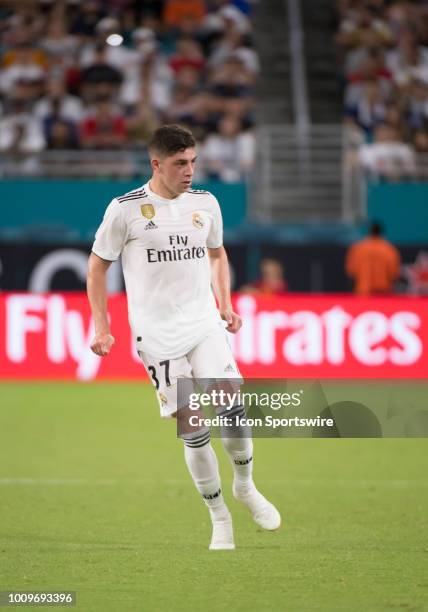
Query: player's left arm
(221, 285)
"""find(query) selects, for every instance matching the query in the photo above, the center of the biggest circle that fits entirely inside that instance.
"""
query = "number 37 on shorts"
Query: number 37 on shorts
(211, 358)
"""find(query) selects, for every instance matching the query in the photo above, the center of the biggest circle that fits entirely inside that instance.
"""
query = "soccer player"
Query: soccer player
(170, 239)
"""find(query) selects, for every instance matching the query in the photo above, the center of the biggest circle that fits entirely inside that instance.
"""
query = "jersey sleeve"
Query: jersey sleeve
(111, 234)
(215, 236)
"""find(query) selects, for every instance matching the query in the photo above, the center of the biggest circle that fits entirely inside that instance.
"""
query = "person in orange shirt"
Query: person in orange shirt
(373, 263)
(177, 10)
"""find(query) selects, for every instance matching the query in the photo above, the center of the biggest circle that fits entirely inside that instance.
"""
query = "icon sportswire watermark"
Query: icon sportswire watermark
(283, 408)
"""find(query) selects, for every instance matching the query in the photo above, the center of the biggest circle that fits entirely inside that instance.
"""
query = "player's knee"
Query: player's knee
(234, 414)
(196, 439)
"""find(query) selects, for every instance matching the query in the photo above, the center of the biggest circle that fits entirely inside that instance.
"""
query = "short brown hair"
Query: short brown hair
(170, 139)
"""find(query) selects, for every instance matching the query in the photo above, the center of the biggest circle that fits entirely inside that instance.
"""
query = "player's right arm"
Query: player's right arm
(97, 295)
(109, 242)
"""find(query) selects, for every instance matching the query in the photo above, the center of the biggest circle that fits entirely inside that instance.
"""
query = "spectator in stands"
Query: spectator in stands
(417, 115)
(200, 112)
(176, 11)
(23, 65)
(26, 55)
(372, 66)
(183, 105)
(420, 139)
(144, 41)
(358, 18)
(243, 5)
(234, 43)
(104, 128)
(388, 157)
(369, 109)
(233, 18)
(417, 105)
(87, 15)
(395, 116)
(408, 61)
(230, 35)
(187, 99)
(188, 54)
(100, 79)
(189, 78)
(57, 102)
(359, 34)
(373, 264)
(272, 280)
(141, 124)
(232, 79)
(189, 27)
(61, 134)
(20, 131)
(151, 78)
(398, 16)
(233, 86)
(229, 154)
(128, 25)
(57, 43)
(116, 56)
(16, 31)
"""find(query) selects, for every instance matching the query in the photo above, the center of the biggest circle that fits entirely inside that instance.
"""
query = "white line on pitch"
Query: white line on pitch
(145, 481)
(78, 481)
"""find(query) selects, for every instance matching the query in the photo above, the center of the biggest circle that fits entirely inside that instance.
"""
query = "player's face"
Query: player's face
(176, 171)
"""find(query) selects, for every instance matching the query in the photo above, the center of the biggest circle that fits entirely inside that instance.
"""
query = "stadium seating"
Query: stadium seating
(103, 75)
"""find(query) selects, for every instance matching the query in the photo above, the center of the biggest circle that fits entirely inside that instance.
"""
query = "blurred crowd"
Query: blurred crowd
(383, 48)
(103, 74)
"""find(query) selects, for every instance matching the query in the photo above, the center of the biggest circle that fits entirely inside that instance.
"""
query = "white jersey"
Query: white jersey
(165, 263)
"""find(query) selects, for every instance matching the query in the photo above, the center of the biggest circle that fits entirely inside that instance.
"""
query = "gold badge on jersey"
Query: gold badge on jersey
(198, 222)
(163, 399)
(148, 211)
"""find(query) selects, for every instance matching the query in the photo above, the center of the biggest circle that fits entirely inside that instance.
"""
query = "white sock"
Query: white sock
(238, 444)
(203, 467)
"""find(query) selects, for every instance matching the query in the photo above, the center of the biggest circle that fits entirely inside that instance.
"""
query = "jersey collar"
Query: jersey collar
(157, 199)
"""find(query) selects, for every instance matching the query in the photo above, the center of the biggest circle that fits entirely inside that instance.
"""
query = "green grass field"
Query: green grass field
(95, 498)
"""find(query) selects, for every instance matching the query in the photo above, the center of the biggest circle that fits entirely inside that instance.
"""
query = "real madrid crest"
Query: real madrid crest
(163, 399)
(148, 211)
(198, 222)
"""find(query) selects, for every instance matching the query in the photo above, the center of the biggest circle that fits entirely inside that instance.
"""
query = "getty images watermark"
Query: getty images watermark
(282, 408)
(232, 407)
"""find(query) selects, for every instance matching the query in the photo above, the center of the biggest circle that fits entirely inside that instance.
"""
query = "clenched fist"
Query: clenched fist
(101, 344)
(234, 321)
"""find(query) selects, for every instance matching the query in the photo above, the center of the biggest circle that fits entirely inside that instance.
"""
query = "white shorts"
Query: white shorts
(211, 358)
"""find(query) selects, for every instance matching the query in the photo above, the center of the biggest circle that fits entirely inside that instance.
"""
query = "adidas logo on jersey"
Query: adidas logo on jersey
(151, 225)
(229, 368)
